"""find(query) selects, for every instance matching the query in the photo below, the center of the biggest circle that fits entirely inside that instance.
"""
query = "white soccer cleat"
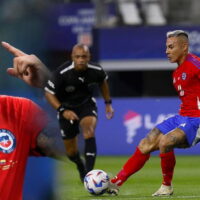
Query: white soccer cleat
(113, 189)
(164, 190)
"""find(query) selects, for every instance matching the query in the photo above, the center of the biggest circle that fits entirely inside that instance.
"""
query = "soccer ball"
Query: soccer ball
(96, 182)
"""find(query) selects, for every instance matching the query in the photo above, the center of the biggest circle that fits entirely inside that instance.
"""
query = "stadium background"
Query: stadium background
(133, 56)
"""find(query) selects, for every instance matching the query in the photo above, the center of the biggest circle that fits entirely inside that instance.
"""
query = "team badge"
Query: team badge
(184, 75)
(7, 141)
(70, 88)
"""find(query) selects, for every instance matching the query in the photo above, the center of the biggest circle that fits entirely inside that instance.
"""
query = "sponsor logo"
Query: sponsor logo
(81, 79)
(90, 154)
(183, 125)
(7, 141)
(132, 121)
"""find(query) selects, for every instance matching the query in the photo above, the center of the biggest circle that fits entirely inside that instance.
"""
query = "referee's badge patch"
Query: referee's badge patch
(70, 88)
(184, 76)
(7, 141)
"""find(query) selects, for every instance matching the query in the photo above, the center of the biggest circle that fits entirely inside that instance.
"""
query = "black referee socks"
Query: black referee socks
(79, 164)
(90, 153)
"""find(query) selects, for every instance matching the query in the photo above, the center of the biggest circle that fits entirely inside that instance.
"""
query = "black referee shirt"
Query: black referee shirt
(73, 87)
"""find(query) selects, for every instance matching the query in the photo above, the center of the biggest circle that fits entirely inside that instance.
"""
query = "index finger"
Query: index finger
(12, 49)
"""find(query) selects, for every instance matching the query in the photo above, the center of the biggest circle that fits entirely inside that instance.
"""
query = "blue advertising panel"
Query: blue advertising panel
(139, 42)
(69, 24)
(134, 118)
(73, 23)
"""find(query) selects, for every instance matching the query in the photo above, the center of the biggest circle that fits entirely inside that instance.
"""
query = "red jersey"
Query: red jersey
(186, 80)
(21, 121)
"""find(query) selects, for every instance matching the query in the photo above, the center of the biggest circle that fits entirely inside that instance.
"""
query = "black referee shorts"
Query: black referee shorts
(70, 130)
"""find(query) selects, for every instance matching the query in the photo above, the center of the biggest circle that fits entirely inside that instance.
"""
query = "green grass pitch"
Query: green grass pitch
(140, 186)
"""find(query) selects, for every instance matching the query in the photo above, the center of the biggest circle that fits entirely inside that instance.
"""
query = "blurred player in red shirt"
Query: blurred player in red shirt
(179, 131)
(21, 121)
(23, 127)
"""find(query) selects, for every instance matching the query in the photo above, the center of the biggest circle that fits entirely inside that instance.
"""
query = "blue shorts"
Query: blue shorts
(189, 125)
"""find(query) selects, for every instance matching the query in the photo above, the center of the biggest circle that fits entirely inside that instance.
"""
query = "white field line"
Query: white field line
(144, 198)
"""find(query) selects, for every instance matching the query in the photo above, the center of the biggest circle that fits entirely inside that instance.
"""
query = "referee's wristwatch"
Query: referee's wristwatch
(108, 101)
(61, 109)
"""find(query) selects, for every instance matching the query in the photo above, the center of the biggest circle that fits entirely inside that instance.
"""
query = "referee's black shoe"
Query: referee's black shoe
(82, 171)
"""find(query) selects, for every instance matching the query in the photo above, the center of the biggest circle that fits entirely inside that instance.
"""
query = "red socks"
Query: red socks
(137, 161)
(168, 162)
(134, 163)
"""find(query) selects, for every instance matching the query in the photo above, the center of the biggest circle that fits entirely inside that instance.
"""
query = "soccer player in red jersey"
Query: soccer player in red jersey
(179, 131)
(24, 128)
(18, 140)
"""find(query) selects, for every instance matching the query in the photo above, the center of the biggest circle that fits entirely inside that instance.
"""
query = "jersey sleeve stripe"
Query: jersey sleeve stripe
(67, 69)
(48, 90)
(51, 84)
(94, 67)
(194, 61)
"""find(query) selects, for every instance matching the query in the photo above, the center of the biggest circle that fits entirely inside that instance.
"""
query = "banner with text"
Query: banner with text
(134, 118)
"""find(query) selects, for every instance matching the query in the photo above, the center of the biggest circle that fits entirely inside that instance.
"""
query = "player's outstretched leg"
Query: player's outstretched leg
(134, 163)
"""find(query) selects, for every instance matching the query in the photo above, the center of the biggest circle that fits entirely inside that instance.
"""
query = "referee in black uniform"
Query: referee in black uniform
(69, 92)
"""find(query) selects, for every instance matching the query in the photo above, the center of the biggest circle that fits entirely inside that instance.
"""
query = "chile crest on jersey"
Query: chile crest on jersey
(7, 141)
(184, 76)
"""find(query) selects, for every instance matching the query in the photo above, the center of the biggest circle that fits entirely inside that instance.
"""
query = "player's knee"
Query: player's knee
(145, 146)
(88, 132)
(164, 144)
(71, 151)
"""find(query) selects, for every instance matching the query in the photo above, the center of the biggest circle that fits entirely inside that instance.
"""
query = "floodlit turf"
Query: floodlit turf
(140, 186)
